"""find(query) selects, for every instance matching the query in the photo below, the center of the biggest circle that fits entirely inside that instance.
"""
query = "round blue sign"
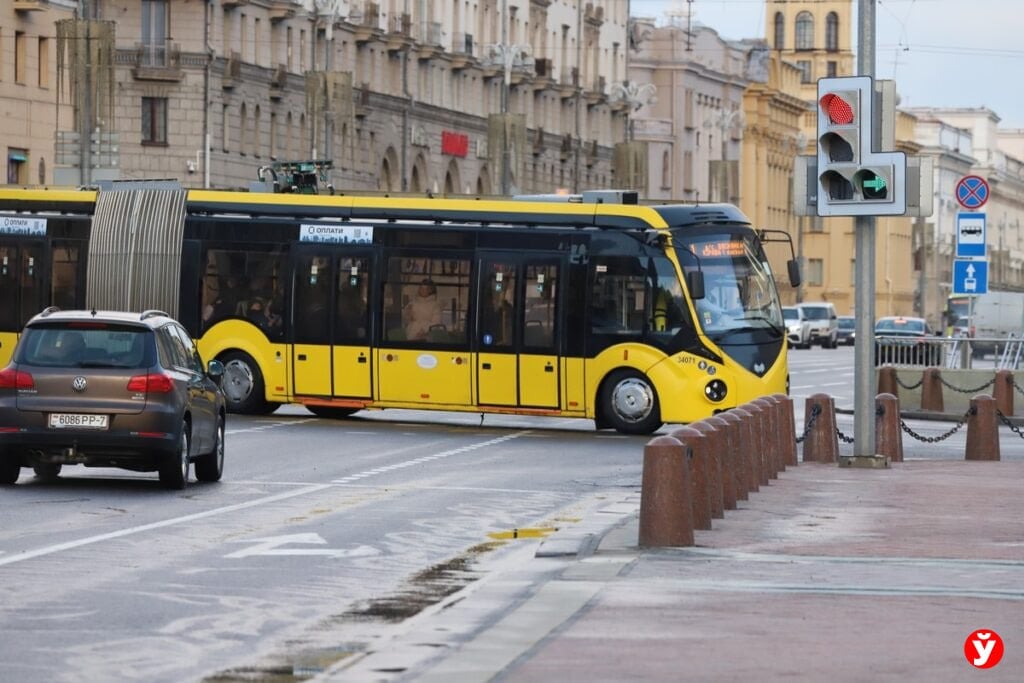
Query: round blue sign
(972, 192)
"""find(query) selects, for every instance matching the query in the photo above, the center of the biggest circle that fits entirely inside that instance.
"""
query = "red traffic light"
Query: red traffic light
(838, 110)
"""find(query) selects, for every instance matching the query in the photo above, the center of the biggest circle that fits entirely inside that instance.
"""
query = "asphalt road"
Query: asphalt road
(319, 528)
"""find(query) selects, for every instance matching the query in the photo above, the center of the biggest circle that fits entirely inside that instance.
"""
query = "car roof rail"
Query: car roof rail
(153, 313)
(50, 309)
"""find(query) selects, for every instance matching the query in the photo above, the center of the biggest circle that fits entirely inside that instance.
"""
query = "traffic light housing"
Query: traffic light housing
(855, 178)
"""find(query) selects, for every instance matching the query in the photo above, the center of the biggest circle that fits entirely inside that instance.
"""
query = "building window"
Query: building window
(805, 70)
(44, 63)
(780, 31)
(273, 135)
(154, 120)
(804, 31)
(154, 32)
(243, 130)
(815, 272)
(831, 69)
(832, 32)
(257, 137)
(225, 128)
(19, 56)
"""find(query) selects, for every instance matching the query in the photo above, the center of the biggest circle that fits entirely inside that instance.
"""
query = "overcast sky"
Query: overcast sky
(942, 53)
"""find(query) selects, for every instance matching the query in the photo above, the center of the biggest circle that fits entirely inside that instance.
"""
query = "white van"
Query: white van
(823, 323)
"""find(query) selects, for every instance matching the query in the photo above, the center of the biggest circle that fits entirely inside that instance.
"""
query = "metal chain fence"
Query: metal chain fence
(1006, 421)
(942, 437)
(910, 387)
(815, 412)
(946, 384)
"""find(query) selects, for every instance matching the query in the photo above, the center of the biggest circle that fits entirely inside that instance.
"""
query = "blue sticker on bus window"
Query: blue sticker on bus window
(488, 340)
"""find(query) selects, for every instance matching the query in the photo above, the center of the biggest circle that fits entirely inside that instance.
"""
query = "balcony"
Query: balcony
(29, 5)
(362, 108)
(232, 71)
(544, 74)
(157, 62)
(596, 94)
(591, 152)
(565, 150)
(366, 20)
(278, 81)
(462, 51)
(399, 35)
(231, 4)
(282, 9)
(430, 39)
(569, 82)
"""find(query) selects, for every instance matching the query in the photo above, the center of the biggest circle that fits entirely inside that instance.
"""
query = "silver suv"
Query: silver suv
(823, 323)
(110, 389)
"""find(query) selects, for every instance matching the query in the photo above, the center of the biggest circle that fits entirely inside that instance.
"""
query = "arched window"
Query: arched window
(257, 140)
(666, 171)
(780, 31)
(804, 31)
(832, 32)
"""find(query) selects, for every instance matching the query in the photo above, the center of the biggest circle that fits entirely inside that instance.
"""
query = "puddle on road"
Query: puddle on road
(422, 590)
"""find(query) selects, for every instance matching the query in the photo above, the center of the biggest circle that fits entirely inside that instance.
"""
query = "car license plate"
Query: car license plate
(77, 421)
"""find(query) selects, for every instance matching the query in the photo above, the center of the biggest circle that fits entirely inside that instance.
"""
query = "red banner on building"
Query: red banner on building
(455, 144)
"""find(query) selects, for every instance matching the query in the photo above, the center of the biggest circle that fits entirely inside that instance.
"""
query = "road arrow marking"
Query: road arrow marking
(272, 546)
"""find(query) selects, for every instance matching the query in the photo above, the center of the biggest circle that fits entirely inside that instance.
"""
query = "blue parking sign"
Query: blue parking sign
(970, 277)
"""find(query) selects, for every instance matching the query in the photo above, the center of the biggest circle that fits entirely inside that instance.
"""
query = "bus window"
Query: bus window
(617, 299)
(244, 284)
(351, 306)
(541, 300)
(64, 277)
(496, 306)
(426, 299)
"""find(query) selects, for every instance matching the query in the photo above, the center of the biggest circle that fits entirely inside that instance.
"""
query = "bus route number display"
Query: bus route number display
(720, 249)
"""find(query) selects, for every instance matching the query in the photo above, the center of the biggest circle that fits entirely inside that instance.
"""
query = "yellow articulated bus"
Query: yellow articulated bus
(592, 306)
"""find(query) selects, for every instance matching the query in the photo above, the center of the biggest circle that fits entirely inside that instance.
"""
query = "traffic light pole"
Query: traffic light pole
(865, 383)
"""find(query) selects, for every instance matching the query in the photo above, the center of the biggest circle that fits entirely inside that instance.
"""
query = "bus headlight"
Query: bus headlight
(715, 390)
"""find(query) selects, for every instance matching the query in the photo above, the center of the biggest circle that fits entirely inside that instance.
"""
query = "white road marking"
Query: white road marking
(272, 546)
(312, 488)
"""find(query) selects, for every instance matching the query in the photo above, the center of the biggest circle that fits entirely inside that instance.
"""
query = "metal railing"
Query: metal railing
(950, 352)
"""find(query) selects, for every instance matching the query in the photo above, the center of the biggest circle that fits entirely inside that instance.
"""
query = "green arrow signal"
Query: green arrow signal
(877, 183)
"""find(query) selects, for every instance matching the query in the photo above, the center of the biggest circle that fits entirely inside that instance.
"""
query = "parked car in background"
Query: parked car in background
(110, 389)
(798, 327)
(901, 340)
(824, 323)
(846, 329)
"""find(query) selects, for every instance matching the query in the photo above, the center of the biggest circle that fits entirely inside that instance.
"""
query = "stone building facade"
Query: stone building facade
(401, 95)
(28, 87)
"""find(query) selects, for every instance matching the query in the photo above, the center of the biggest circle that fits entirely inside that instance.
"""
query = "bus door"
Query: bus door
(331, 321)
(518, 331)
(22, 294)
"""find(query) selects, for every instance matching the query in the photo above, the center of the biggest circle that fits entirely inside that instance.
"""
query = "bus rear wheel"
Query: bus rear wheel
(630, 403)
(243, 385)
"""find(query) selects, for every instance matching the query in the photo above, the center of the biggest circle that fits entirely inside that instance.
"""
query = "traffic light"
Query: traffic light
(855, 178)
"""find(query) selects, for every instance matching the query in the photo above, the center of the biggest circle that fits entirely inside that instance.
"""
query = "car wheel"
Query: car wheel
(629, 403)
(174, 468)
(47, 471)
(243, 385)
(332, 412)
(210, 467)
(10, 470)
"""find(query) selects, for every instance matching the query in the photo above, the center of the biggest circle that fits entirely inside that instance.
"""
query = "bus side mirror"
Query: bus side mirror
(793, 266)
(695, 283)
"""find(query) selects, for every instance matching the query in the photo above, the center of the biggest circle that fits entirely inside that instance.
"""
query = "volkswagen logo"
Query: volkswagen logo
(79, 383)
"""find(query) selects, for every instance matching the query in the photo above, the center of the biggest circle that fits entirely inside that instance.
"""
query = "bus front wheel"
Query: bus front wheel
(243, 385)
(630, 403)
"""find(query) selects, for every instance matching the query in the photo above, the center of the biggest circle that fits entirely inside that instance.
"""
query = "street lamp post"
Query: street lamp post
(507, 55)
(636, 96)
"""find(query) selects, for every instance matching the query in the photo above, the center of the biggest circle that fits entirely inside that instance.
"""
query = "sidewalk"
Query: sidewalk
(827, 574)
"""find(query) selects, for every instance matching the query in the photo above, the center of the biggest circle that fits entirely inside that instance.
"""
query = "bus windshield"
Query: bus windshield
(740, 293)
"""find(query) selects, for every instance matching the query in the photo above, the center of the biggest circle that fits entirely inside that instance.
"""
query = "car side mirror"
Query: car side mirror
(215, 369)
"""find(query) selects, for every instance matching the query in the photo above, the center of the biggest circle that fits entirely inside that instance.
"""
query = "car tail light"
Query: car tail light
(16, 379)
(153, 383)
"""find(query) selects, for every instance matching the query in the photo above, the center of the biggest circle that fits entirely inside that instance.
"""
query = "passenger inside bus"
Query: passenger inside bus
(423, 312)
